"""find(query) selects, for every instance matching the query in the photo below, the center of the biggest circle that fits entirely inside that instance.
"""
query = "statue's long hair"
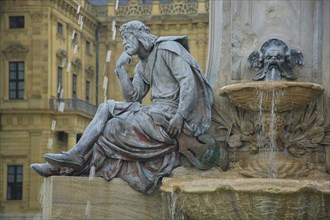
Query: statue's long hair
(141, 31)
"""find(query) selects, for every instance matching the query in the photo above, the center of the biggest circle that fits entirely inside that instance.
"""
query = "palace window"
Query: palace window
(88, 47)
(74, 86)
(16, 80)
(59, 29)
(14, 182)
(59, 81)
(74, 38)
(88, 84)
(16, 22)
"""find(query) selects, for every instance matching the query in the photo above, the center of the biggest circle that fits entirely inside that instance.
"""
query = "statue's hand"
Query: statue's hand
(123, 59)
(175, 126)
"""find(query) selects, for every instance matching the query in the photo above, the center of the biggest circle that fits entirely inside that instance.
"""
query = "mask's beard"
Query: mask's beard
(273, 71)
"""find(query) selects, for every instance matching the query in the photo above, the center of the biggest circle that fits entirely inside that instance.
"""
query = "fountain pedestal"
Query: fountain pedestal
(271, 149)
(66, 197)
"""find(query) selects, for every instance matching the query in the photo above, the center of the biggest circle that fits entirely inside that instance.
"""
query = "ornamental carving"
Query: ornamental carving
(179, 8)
(15, 51)
(36, 16)
(101, 12)
(207, 6)
(61, 57)
(89, 71)
(76, 64)
(275, 61)
(134, 10)
(299, 132)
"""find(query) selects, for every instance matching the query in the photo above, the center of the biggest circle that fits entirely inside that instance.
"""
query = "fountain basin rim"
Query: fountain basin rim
(251, 185)
(268, 86)
(259, 96)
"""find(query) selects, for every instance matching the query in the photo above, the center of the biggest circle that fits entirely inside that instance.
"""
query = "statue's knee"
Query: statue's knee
(103, 111)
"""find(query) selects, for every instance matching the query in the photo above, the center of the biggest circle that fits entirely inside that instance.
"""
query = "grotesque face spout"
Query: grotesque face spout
(275, 61)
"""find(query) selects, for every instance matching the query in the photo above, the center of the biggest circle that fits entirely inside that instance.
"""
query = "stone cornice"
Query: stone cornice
(155, 8)
(69, 9)
(134, 9)
(179, 8)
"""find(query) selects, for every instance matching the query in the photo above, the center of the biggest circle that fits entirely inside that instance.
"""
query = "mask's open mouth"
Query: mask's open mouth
(273, 65)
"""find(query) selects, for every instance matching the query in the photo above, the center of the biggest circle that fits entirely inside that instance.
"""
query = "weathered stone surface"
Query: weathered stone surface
(243, 27)
(224, 195)
(81, 198)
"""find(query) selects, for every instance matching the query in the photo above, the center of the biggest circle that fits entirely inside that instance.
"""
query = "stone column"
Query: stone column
(155, 7)
(35, 179)
(201, 42)
(72, 139)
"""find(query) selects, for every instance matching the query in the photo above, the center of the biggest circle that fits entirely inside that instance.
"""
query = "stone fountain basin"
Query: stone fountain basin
(256, 95)
(228, 196)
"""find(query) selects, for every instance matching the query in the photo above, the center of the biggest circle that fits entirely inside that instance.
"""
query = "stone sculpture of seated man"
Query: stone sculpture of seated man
(141, 143)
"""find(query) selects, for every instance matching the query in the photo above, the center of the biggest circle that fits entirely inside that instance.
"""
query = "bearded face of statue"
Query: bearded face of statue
(274, 63)
(130, 43)
(274, 58)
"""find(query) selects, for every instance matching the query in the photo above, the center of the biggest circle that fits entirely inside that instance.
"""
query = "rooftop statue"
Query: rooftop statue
(275, 61)
(142, 143)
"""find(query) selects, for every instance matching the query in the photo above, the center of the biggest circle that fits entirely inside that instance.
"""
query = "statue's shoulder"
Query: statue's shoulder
(173, 43)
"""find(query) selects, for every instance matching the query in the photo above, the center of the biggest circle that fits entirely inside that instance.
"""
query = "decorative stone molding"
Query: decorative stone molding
(37, 16)
(301, 132)
(275, 61)
(76, 64)
(89, 70)
(207, 6)
(134, 9)
(15, 51)
(61, 53)
(101, 11)
(179, 8)
(201, 42)
(70, 10)
(61, 57)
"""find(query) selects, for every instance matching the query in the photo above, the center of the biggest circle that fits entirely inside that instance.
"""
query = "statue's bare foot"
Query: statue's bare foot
(45, 169)
(64, 159)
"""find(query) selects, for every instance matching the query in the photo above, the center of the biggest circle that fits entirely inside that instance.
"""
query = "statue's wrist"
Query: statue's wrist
(120, 71)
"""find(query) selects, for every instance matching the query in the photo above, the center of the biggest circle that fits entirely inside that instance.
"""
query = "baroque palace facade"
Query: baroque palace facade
(57, 65)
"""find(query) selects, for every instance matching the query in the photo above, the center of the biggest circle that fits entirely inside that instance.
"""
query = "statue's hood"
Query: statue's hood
(183, 40)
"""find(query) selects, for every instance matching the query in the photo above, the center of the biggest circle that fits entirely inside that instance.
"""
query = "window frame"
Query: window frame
(88, 46)
(74, 85)
(88, 91)
(59, 29)
(10, 23)
(13, 185)
(59, 81)
(16, 80)
(74, 38)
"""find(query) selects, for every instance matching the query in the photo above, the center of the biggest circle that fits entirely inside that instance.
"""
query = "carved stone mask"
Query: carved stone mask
(275, 61)
(274, 58)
